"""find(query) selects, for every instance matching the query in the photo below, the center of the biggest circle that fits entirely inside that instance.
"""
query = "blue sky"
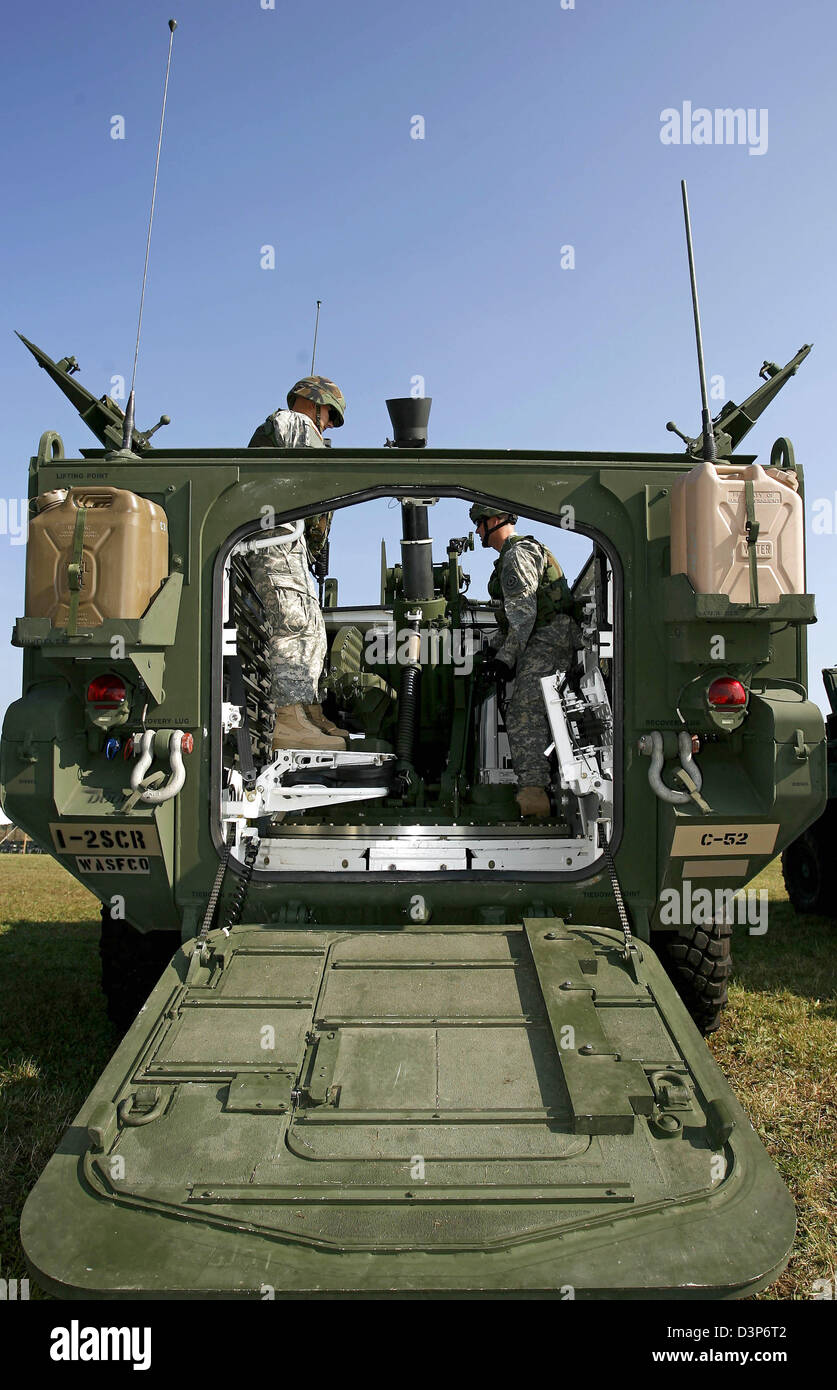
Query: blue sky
(438, 257)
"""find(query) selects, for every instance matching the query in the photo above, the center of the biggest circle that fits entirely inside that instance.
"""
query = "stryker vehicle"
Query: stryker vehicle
(410, 1044)
(808, 864)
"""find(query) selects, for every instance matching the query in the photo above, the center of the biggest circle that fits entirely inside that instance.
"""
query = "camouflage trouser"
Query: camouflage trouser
(549, 649)
(296, 651)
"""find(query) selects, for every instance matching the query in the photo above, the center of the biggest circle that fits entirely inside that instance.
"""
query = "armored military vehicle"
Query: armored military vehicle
(396, 1039)
(808, 863)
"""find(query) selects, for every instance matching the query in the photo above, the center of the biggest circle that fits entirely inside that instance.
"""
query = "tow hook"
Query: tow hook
(147, 1104)
(147, 788)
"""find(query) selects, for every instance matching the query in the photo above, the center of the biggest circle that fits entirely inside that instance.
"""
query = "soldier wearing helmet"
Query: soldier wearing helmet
(315, 405)
(537, 636)
(282, 575)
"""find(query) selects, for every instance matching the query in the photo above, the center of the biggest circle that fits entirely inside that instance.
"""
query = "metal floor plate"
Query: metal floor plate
(499, 1109)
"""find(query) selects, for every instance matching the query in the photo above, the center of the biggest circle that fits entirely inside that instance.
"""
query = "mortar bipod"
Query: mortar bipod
(143, 788)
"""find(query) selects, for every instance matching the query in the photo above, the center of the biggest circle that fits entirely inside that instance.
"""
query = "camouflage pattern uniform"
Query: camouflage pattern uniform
(282, 576)
(316, 533)
(287, 429)
(535, 644)
(296, 651)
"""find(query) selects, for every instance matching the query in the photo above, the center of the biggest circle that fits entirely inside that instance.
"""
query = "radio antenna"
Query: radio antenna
(316, 326)
(709, 451)
(129, 410)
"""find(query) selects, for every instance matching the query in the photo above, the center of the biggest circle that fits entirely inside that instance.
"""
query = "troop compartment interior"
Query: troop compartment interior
(310, 812)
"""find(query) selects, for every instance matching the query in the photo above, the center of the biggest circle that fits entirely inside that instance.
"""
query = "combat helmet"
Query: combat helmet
(322, 392)
(481, 511)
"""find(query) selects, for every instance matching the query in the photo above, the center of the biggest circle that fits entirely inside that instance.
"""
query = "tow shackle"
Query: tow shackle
(144, 747)
(651, 745)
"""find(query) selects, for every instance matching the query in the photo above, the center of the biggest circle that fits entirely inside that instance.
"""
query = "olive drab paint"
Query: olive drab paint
(808, 863)
(470, 1073)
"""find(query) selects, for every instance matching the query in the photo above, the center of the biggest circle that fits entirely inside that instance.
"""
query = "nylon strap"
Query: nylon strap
(74, 571)
(683, 776)
(752, 534)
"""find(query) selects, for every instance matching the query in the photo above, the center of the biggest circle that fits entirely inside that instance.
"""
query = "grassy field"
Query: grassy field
(776, 1046)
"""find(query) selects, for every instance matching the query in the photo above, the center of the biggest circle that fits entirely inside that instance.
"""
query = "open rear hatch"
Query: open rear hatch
(497, 1110)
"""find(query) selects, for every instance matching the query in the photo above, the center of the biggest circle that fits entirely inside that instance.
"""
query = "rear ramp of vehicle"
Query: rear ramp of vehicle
(501, 1110)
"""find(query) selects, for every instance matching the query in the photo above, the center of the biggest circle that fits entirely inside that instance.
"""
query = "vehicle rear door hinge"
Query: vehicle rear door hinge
(314, 1086)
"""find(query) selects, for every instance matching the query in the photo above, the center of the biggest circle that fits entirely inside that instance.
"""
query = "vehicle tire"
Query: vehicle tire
(699, 962)
(132, 963)
(809, 868)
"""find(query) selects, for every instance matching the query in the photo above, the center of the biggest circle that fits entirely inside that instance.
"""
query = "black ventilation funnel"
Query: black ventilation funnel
(409, 416)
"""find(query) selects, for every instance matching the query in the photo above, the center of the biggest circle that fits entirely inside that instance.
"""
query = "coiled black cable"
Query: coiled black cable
(407, 708)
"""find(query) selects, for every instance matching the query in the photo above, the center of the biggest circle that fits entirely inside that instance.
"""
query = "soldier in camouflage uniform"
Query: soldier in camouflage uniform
(282, 575)
(537, 636)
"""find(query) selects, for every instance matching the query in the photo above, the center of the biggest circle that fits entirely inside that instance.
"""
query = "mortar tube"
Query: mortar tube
(417, 579)
(416, 553)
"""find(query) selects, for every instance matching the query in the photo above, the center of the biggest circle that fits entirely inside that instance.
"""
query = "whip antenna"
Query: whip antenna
(705, 420)
(129, 411)
(316, 326)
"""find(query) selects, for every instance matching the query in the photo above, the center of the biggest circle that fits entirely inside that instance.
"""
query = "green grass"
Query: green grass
(55, 1037)
(776, 1046)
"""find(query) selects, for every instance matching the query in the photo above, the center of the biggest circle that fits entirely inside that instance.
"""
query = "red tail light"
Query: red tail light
(106, 692)
(726, 693)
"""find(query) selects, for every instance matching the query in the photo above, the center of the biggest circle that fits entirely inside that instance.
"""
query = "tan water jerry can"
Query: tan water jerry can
(123, 544)
(710, 509)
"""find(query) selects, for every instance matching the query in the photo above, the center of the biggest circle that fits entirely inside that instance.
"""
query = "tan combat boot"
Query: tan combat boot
(315, 714)
(293, 729)
(533, 801)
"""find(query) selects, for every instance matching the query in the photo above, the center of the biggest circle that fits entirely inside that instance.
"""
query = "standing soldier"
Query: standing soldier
(537, 637)
(282, 575)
